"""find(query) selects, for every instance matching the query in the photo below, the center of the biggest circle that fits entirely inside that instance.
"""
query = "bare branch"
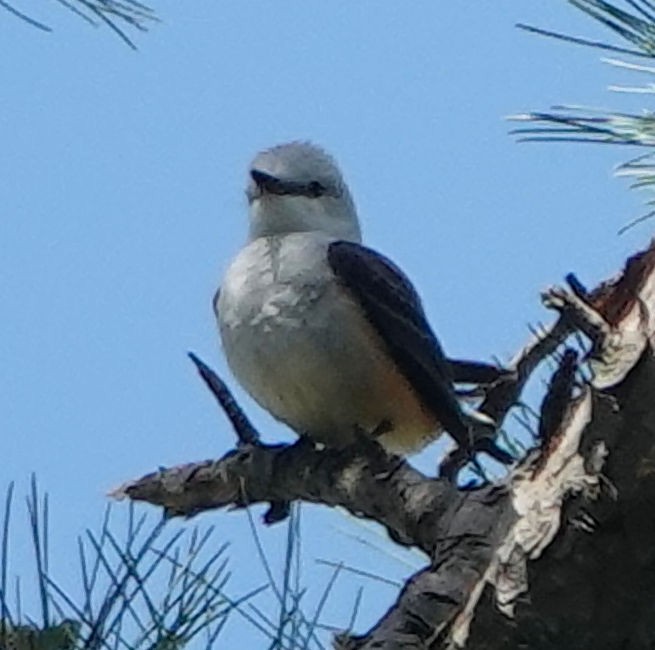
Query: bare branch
(243, 427)
(489, 540)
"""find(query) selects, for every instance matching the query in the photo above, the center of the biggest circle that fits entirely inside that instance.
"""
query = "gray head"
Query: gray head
(297, 187)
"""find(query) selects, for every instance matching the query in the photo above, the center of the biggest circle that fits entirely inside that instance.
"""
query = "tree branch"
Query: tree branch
(361, 478)
(489, 546)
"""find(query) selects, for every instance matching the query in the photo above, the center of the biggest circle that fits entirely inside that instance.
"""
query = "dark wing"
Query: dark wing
(394, 309)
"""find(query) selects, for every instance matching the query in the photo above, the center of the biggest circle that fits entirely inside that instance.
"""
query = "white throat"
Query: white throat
(272, 215)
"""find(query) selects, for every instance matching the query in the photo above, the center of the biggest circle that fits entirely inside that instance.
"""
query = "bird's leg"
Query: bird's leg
(366, 437)
(384, 427)
(368, 442)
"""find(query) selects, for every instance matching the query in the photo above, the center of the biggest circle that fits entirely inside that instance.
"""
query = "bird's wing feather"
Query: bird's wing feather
(393, 307)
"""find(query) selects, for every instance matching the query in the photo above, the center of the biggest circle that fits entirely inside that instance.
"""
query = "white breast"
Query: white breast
(300, 345)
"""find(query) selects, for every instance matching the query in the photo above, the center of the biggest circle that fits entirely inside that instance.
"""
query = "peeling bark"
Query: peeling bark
(560, 555)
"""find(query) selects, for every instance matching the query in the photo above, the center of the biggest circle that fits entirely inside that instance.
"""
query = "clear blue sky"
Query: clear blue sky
(122, 203)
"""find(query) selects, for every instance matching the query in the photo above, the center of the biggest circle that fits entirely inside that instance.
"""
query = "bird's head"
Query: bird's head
(297, 187)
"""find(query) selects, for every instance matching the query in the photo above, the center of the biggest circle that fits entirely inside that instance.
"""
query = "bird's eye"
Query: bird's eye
(315, 189)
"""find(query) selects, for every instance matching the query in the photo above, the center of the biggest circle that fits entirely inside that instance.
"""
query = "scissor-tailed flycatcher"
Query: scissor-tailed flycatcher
(326, 334)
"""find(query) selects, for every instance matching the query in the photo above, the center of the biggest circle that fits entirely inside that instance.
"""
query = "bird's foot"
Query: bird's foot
(384, 427)
(367, 437)
(369, 443)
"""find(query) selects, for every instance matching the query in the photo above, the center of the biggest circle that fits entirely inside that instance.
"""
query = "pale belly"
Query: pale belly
(304, 351)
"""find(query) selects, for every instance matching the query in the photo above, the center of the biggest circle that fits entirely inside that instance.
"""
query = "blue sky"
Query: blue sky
(122, 203)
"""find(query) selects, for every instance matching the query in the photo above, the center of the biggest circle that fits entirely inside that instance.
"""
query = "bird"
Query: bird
(326, 334)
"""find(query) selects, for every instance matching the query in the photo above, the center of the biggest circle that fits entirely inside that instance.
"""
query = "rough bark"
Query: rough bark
(561, 554)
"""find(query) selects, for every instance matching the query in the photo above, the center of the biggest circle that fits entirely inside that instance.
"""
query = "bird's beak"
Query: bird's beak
(268, 184)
